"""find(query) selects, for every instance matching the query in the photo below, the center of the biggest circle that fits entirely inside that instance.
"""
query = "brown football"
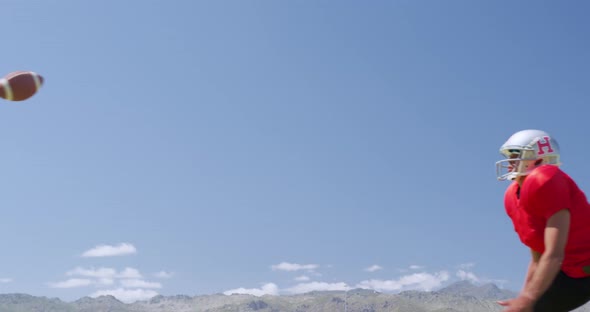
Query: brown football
(20, 85)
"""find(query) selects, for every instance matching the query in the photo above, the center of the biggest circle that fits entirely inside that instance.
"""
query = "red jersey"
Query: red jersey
(544, 192)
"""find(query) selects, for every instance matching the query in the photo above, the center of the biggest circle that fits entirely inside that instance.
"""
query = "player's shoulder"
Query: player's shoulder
(546, 172)
(545, 175)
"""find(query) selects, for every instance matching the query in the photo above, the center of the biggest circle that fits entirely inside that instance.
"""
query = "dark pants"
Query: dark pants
(565, 294)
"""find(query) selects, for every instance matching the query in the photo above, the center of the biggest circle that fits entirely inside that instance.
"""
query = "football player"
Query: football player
(552, 217)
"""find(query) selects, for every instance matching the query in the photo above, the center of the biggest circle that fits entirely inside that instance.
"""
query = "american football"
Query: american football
(20, 85)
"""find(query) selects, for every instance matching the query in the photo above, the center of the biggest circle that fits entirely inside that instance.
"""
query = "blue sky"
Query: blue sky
(276, 147)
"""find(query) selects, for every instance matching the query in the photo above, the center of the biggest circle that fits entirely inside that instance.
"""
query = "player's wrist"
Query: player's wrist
(528, 296)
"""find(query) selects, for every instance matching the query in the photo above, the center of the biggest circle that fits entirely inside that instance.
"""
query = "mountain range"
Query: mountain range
(458, 297)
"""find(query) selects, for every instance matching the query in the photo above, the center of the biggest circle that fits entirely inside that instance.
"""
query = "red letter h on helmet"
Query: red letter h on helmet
(542, 143)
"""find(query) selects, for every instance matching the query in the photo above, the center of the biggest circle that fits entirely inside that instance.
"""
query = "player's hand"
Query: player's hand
(518, 304)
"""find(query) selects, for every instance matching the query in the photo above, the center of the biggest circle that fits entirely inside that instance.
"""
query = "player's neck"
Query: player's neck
(520, 180)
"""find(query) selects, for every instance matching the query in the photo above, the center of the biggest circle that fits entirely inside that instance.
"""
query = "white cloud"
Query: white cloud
(417, 281)
(163, 274)
(133, 287)
(137, 283)
(72, 283)
(96, 273)
(302, 278)
(286, 266)
(373, 268)
(110, 251)
(100, 277)
(266, 289)
(5, 280)
(316, 286)
(105, 273)
(129, 273)
(416, 267)
(105, 281)
(126, 295)
(467, 276)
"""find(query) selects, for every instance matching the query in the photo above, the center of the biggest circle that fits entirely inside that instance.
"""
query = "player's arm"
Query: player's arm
(549, 264)
(535, 256)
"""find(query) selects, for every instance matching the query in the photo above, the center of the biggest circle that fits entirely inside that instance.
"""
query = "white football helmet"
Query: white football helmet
(524, 151)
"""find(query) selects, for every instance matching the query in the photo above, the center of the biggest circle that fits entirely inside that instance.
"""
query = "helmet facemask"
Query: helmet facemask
(518, 162)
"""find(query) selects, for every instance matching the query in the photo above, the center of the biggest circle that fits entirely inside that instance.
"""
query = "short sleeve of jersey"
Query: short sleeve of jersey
(547, 191)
